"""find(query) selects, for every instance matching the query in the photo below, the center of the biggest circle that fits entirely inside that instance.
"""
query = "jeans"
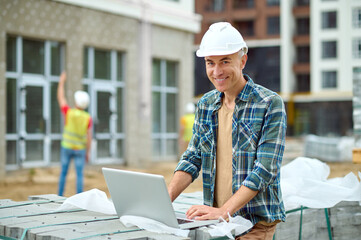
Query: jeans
(79, 160)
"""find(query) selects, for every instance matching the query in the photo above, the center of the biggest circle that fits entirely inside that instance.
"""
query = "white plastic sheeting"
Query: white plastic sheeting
(304, 182)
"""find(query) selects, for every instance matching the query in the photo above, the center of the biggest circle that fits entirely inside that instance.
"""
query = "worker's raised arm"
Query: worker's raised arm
(60, 92)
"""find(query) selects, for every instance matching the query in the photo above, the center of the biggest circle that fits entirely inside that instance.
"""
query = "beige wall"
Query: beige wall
(78, 27)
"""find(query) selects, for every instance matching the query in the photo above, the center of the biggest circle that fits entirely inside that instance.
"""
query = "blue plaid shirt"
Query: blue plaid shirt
(258, 140)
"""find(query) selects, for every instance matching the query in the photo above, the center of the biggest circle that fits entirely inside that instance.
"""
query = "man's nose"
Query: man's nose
(218, 70)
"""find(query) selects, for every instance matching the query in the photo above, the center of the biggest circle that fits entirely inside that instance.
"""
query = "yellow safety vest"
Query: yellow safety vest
(188, 121)
(75, 129)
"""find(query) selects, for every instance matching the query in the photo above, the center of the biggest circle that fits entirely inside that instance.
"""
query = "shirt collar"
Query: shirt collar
(246, 91)
(242, 96)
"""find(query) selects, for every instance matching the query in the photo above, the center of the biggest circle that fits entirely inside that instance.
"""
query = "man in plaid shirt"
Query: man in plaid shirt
(238, 141)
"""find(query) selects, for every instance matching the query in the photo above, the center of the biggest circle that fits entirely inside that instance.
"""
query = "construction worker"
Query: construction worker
(186, 125)
(77, 135)
(238, 141)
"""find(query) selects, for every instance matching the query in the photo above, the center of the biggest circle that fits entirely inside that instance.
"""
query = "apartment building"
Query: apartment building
(134, 58)
(307, 51)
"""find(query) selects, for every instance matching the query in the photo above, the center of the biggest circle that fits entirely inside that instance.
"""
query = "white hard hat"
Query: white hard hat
(190, 108)
(221, 39)
(81, 99)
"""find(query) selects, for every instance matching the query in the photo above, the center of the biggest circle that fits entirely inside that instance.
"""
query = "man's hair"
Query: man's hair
(241, 53)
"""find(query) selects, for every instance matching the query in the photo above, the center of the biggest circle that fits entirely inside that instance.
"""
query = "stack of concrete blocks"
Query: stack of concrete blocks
(344, 223)
(329, 149)
(38, 219)
(356, 102)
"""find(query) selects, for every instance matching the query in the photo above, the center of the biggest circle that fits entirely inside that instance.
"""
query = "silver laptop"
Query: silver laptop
(145, 195)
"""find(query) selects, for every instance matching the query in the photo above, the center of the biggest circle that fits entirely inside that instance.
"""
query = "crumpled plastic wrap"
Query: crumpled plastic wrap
(304, 182)
(92, 200)
(151, 225)
(237, 224)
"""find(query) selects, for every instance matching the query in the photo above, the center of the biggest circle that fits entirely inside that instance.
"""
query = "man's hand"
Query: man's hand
(203, 212)
(236, 202)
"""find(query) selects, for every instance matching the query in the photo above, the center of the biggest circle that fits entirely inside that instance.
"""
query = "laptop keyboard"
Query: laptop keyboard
(181, 220)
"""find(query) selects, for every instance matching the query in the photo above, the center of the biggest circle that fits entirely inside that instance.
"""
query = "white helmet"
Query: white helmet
(81, 99)
(221, 39)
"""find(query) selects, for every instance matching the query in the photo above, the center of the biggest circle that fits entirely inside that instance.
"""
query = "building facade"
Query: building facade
(134, 58)
(308, 51)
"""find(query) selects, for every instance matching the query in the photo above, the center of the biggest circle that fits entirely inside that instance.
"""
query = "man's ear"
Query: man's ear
(244, 61)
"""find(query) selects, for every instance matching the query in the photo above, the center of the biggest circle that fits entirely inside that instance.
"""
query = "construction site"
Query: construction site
(136, 61)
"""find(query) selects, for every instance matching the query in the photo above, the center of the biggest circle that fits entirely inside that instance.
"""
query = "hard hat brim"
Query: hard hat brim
(200, 53)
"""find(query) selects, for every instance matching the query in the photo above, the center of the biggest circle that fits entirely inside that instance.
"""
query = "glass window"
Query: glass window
(156, 73)
(54, 109)
(273, 25)
(246, 28)
(120, 146)
(243, 3)
(26, 96)
(171, 102)
(303, 54)
(329, 20)
(86, 63)
(103, 113)
(302, 2)
(102, 64)
(171, 74)
(303, 83)
(55, 151)
(34, 110)
(164, 107)
(273, 2)
(329, 49)
(55, 58)
(356, 48)
(357, 82)
(172, 147)
(108, 99)
(10, 54)
(103, 148)
(356, 18)
(120, 67)
(34, 150)
(329, 79)
(11, 152)
(120, 111)
(303, 26)
(156, 103)
(215, 6)
(33, 56)
(11, 101)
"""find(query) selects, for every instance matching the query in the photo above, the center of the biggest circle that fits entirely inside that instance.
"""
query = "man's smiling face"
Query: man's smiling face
(225, 72)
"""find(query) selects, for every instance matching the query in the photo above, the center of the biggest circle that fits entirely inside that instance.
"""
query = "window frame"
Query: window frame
(164, 136)
(325, 79)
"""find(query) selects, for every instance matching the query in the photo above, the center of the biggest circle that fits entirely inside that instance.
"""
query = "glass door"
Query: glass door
(33, 123)
(105, 115)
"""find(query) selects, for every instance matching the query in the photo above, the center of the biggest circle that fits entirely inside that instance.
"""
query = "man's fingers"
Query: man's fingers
(197, 211)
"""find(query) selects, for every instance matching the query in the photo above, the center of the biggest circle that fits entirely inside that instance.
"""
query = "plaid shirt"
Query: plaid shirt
(258, 140)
